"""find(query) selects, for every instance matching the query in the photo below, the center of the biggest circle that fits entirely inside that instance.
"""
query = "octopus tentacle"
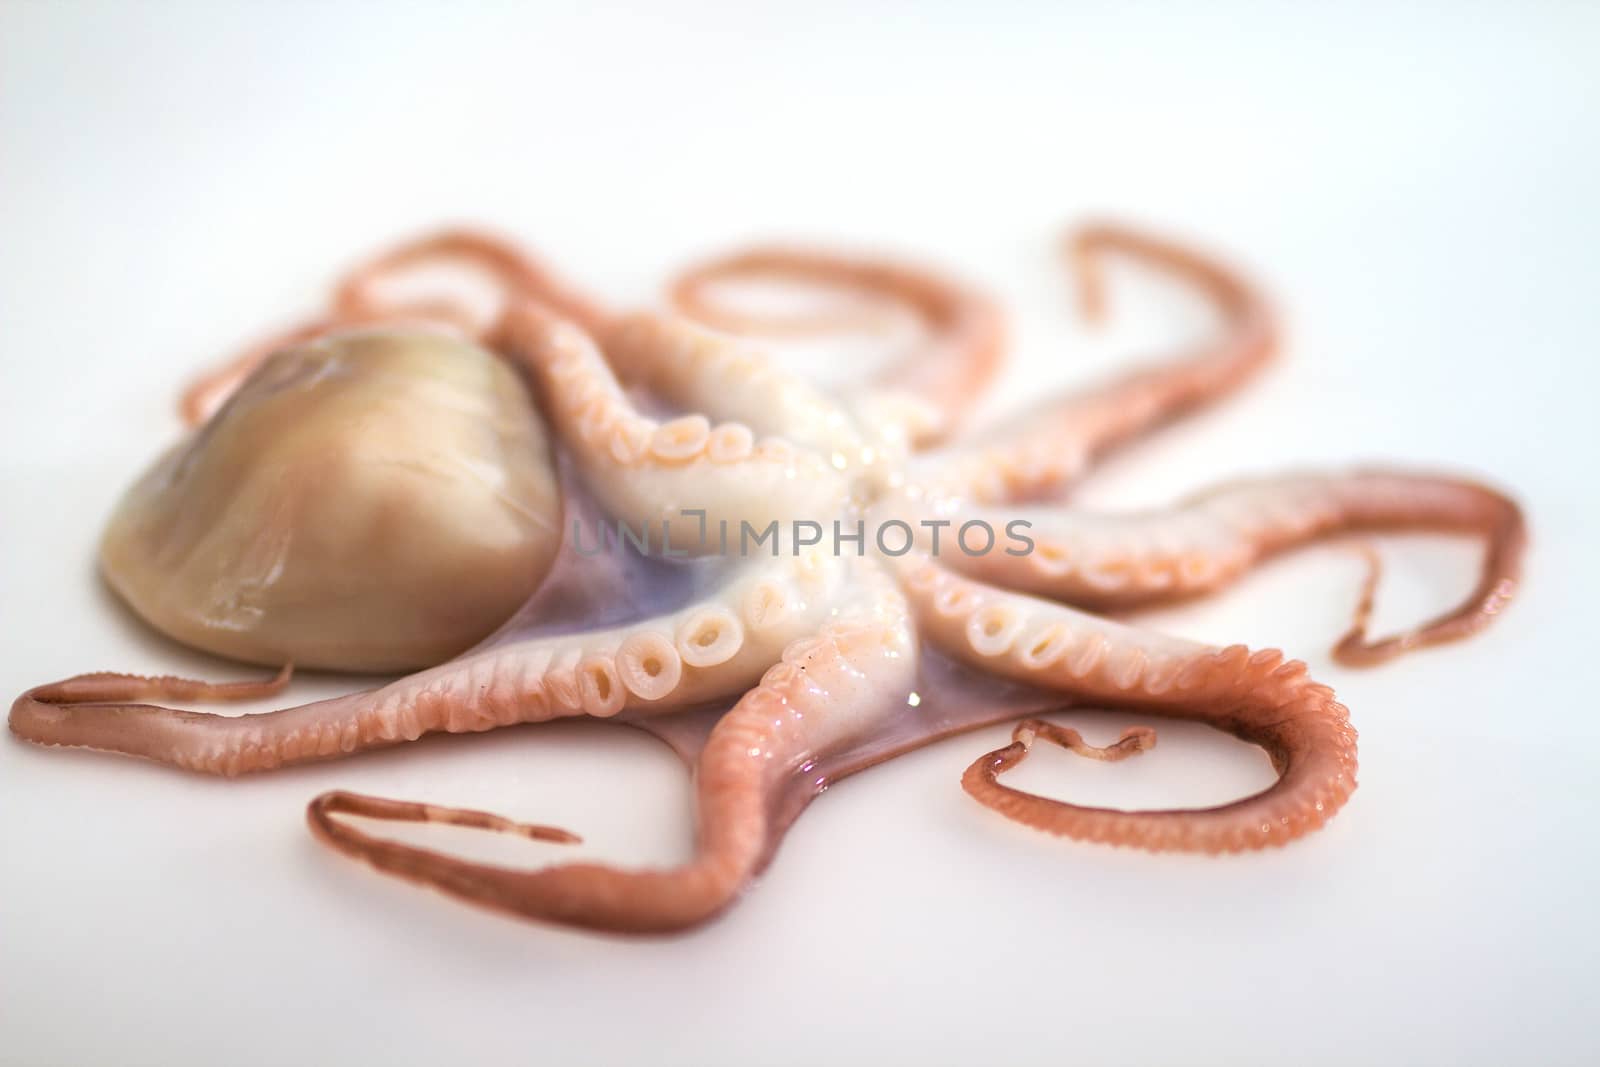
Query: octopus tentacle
(109, 686)
(340, 802)
(231, 745)
(664, 354)
(514, 273)
(1043, 454)
(59, 713)
(828, 689)
(700, 371)
(647, 472)
(1258, 697)
(1123, 561)
(932, 392)
(1134, 740)
(708, 650)
(1497, 583)
(981, 779)
(359, 300)
(109, 712)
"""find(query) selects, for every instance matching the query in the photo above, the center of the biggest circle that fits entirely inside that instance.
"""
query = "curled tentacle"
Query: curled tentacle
(981, 779)
(1123, 561)
(828, 690)
(1258, 697)
(648, 472)
(1134, 740)
(968, 328)
(1498, 579)
(700, 371)
(514, 275)
(1046, 452)
(360, 300)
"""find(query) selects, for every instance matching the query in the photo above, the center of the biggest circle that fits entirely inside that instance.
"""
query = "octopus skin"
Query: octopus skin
(773, 675)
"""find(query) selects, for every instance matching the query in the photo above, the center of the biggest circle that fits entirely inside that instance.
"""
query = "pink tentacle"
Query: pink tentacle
(1258, 697)
(359, 300)
(1043, 454)
(754, 755)
(967, 329)
(1113, 562)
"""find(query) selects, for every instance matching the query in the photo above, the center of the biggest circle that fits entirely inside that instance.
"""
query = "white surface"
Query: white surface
(1419, 190)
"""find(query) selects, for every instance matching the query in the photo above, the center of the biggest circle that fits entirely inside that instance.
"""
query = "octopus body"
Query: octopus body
(849, 633)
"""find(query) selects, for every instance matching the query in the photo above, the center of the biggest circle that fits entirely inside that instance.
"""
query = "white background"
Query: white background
(1415, 185)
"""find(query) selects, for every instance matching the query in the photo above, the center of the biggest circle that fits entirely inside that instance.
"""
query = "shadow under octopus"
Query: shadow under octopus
(773, 672)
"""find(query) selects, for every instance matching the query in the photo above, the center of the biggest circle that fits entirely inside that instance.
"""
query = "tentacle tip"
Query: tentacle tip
(1354, 650)
(327, 803)
(1093, 309)
(30, 718)
(1137, 739)
(1081, 245)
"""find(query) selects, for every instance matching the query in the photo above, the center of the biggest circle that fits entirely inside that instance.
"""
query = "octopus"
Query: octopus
(910, 579)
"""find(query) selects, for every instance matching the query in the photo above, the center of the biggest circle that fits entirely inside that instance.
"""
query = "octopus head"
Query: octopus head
(371, 500)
